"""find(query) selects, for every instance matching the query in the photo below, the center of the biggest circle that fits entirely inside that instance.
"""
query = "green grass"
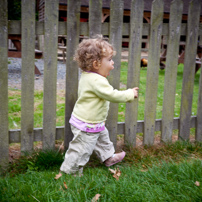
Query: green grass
(163, 172)
(158, 173)
(142, 90)
(15, 99)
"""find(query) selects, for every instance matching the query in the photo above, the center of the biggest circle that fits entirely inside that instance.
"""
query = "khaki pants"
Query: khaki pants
(82, 146)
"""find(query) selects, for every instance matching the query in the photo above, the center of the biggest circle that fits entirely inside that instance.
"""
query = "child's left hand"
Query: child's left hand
(135, 91)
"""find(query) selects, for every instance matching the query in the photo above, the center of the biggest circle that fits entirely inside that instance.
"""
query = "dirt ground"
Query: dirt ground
(14, 149)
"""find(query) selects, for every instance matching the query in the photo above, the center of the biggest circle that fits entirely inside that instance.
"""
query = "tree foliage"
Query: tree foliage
(14, 9)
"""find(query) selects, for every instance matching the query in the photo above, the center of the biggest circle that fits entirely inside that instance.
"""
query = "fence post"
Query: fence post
(27, 94)
(135, 44)
(171, 69)
(95, 17)
(73, 24)
(50, 73)
(153, 71)
(4, 139)
(189, 68)
(199, 112)
(116, 24)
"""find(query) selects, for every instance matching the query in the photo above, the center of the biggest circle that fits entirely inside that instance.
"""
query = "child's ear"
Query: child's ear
(95, 64)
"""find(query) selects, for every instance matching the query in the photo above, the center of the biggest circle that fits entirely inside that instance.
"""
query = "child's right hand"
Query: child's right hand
(135, 91)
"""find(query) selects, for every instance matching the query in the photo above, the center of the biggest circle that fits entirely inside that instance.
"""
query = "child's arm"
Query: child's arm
(104, 90)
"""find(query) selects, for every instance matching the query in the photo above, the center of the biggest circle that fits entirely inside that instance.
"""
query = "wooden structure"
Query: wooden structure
(28, 28)
(16, 40)
(84, 9)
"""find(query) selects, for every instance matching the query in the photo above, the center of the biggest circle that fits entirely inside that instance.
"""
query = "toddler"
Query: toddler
(94, 57)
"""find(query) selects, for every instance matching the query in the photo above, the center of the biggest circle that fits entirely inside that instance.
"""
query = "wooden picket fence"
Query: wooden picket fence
(51, 28)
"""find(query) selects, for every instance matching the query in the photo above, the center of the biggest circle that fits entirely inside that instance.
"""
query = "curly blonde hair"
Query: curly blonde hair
(90, 50)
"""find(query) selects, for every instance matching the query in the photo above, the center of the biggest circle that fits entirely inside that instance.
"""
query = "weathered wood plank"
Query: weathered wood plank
(199, 112)
(95, 17)
(116, 23)
(3, 86)
(14, 27)
(27, 75)
(73, 24)
(153, 71)
(50, 72)
(14, 135)
(171, 70)
(135, 43)
(189, 68)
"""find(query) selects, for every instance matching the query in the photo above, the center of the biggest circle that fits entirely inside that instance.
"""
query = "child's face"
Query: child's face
(107, 64)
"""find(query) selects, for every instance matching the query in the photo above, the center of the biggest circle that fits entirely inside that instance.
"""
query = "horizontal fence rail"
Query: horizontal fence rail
(28, 28)
(14, 135)
(14, 27)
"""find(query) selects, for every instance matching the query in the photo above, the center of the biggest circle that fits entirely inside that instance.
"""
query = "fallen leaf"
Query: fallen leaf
(197, 183)
(58, 176)
(65, 185)
(144, 170)
(111, 170)
(95, 198)
(116, 172)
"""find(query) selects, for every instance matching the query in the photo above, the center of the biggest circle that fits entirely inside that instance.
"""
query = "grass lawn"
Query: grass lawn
(163, 172)
(15, 99)
(157, 173)
(142, 90)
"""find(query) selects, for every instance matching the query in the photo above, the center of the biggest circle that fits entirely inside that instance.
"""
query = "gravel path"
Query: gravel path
(14, 74)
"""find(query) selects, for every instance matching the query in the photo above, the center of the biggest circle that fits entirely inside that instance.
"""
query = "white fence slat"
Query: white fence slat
(171, 70)
(50, 72)
(116, 23)
(3, 85)
(135, 44)
(153, 71)
(95, 17)
(27, 75)
(73, 24)
(199, 112)
(189, 68)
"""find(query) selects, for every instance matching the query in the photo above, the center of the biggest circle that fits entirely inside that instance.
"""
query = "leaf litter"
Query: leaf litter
(197, 183)
(95, 198)
(116, 172)
(58, 176)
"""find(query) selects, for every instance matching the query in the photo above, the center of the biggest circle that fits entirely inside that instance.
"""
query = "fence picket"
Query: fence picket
(199, 112)
(95, 17)
(27, 75)
(73, 24)
(171, 69)
(50, 72)
(4, 141)
(153, 71)
(116, 24)
(136, 17)
(189, 69)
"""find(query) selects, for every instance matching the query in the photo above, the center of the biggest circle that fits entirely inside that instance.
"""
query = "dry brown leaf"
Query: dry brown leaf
(112, 171)
(116, 172)
(95, 198)
(144, 170)
(65, 185)
(58, 176)
(197, 183)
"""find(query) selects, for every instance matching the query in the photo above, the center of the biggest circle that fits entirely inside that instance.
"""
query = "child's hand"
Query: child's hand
(135, 91)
